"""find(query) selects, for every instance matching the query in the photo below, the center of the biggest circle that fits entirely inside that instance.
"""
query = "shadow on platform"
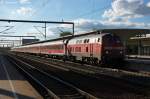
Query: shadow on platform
(7, 93)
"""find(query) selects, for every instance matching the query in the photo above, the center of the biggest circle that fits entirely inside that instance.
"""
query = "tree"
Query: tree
(65, 33)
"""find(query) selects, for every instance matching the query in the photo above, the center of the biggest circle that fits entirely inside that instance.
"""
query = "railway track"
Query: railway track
(100, 89)
(125, 74)
(53, 87)
(123, 69)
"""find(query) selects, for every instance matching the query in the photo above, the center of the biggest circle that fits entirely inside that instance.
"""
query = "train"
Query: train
(93, 48)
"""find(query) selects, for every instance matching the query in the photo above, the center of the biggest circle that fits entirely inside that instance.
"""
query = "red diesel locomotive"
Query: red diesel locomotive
(94, 48)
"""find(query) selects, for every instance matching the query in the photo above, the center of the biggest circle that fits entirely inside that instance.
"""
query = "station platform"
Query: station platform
(138, 56)
(138, 59)
(139, 62)
(12, 84)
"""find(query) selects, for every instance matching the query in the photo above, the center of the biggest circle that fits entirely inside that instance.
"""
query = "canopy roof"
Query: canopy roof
(127, 33)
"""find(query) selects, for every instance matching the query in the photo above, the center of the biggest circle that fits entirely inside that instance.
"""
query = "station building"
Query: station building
(139, 46)
(136, 41)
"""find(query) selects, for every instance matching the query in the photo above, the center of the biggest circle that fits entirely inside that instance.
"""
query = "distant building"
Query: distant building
(27, 41)
(138, 45)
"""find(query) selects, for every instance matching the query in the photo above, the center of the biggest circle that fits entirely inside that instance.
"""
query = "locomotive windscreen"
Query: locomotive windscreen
(110, 40)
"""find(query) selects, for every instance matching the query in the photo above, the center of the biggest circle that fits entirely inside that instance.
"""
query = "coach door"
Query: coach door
(91, 50)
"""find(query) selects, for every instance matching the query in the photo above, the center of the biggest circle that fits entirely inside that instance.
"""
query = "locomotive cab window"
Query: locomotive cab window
(117, 39)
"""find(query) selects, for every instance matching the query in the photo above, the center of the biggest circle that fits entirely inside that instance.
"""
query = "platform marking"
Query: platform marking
(10, 82)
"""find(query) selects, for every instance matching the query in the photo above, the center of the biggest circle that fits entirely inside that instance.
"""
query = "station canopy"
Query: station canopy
(126, 34)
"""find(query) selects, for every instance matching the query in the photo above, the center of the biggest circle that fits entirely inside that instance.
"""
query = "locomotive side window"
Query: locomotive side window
(76, 41)
(85, 41)
(98, 40)
(88, 40)
(80, 41)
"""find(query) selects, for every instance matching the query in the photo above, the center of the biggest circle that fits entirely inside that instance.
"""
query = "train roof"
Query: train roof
(66, 37)
(122, 33)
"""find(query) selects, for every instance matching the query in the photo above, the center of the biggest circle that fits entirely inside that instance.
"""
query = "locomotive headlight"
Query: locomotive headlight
(107, 52)
(121, 52)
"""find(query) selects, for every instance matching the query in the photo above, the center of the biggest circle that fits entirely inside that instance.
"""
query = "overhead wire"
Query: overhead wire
(91, 12)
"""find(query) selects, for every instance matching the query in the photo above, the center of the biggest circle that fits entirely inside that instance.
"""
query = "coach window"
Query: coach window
(47, 47)
(59, 46)
(62, 47)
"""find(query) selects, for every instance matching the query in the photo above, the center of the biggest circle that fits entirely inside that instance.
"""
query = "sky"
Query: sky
(87, 15)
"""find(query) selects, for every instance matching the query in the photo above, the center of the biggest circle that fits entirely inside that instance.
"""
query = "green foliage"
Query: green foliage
(65, 33)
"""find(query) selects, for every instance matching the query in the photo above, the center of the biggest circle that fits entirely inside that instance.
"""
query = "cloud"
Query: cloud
(23, 11)
(81, 25)
(120, 15)
(86, 25)
(128, 9)
(122, 12)
(148, 4)
(24, 1)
